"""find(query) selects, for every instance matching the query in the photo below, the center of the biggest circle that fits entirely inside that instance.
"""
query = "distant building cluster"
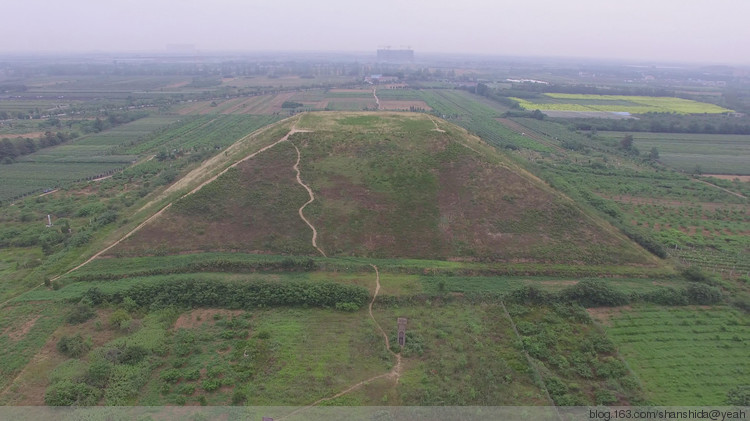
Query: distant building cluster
(386, 55)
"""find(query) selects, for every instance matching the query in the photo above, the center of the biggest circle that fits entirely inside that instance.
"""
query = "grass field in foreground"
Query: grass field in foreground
(685, 355)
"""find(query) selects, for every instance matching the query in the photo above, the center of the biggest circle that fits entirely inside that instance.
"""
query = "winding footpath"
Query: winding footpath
(312, 199)
(394, 373)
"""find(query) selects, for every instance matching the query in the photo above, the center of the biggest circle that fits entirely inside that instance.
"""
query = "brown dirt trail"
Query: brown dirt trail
(312, 199)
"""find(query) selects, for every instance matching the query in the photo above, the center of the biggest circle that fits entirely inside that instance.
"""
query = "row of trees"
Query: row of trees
(10, 149)
(223, 294)
(668, 123)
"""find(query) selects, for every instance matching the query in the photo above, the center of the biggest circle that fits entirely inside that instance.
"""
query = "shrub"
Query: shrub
(703, 294)
(73, 346)
(667, 296)
(68, 393)
(80, 313)
(555, 386)
(186, 389)
(132, 354)
(193, 374)
(211, 384)
(347, 307)
(739, 396)
(602, 344)
(171, 375)
(604, 397)
(98, 373)
(238, 398)
(594, 293)
(529, 295)
(119, 318)
(695, 274)
(611, 368)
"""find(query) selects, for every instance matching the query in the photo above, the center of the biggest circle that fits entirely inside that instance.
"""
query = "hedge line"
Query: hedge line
(247, 295)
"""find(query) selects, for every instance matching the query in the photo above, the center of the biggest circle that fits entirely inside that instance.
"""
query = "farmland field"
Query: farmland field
(717, 154)
(618, 103)
(683, 356)
(477, 115)
(86, 157)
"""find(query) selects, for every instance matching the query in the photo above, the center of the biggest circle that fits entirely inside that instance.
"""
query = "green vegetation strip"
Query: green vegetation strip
(684, 356)
(620, 103)
(104, 269)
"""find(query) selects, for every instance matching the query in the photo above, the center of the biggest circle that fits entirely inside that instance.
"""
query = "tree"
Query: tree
(654, 154)
(8, 150)
(627, 142)
(98, 125)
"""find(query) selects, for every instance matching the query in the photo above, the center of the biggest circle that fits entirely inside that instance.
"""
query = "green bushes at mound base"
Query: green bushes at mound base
(226, 294)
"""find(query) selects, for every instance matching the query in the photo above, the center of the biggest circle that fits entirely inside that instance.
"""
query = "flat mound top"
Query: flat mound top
(386, 185)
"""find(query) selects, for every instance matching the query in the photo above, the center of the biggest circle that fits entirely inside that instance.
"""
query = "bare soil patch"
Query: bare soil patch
(30, 135)
(743, 178)
(364, 92)
(275, 104)
(16, 334)
(198, 107)
(201, 316)
(604, 315)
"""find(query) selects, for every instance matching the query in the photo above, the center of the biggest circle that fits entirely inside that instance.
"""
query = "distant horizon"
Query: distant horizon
(664, 31)
(370, 54)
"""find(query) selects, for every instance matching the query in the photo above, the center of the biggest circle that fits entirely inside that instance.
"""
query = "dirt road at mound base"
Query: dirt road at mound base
(720, 188)
(394, 373)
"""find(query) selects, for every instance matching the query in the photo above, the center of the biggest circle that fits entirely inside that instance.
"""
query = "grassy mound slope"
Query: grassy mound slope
(386, 185)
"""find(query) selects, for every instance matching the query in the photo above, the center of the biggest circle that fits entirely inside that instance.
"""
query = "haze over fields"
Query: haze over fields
(665, 30)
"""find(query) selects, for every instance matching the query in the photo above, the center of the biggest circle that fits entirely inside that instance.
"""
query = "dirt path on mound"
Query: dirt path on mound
(312, 199)
(161, 211)
(437, 129)
(394, 373)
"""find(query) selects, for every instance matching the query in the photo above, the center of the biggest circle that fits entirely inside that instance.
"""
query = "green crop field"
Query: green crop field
(86, 157)
(684, 356)
(479, 116)
(619, 103)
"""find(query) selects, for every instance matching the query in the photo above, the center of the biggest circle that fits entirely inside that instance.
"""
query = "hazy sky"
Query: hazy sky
(715, 31)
